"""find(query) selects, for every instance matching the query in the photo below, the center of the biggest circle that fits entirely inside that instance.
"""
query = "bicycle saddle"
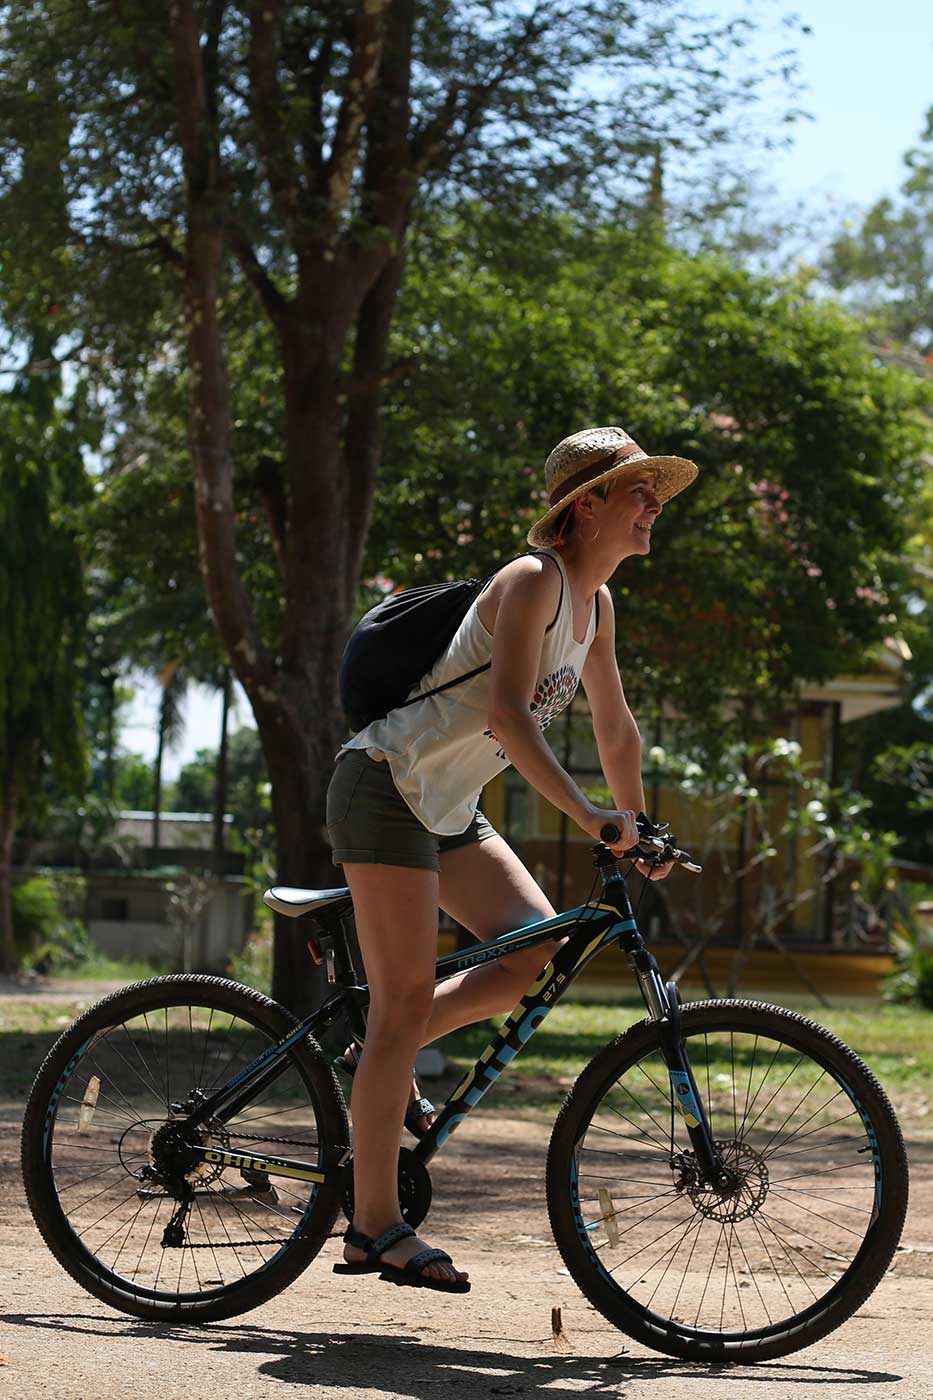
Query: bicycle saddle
(297, 902)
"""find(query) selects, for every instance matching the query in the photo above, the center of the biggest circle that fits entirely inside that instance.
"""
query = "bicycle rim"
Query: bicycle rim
(100, 1194)
(788, 1252)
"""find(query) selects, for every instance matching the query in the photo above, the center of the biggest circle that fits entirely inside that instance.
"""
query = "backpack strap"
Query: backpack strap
(478, 670)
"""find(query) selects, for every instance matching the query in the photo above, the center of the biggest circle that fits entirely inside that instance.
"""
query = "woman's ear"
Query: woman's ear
(584, 506)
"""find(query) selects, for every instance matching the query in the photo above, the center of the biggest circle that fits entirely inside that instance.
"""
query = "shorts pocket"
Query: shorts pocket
(342, 788)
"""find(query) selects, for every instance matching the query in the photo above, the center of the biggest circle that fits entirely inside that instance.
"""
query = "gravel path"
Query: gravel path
(348, 1339)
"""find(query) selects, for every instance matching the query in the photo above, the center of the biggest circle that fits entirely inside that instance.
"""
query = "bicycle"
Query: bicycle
(725, 1180)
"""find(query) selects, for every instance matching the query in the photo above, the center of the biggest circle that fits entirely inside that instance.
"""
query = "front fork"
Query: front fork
(663, 1003)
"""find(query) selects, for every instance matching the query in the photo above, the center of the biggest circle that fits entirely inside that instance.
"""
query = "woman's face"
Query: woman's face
(627, 516)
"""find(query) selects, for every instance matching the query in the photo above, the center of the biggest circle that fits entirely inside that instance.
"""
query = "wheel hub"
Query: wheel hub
(170, 1153)
(741, 1190)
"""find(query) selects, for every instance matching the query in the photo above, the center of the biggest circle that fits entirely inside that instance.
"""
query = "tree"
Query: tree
(884, 264)
(42, 611)
(132, 783)
(196, 784)
(782, 564)
(299, 138)
(883, 268)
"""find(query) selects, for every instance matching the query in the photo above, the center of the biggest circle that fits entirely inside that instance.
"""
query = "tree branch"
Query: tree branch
(354, 388)
(275, 304)
(213, 27)
(270, 484)
(368, 39)
(432, 150)
(267, 105)
(209, 399)
(364, 430)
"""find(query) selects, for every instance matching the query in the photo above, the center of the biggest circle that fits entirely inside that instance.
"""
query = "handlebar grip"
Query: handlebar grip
(609, 833)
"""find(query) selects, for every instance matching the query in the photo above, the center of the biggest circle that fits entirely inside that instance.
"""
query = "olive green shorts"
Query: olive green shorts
(369, 822)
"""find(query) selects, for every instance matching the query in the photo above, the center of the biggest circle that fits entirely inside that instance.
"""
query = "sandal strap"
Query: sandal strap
(424, 1257)
(400, 1231)
(357, 1239)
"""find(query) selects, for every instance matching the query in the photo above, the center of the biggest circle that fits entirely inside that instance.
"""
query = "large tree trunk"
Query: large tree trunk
(8, 959)
(325, 500)
(220, 773)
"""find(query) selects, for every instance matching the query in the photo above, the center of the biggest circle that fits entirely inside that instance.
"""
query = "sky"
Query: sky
(867, 70)
(868, 74)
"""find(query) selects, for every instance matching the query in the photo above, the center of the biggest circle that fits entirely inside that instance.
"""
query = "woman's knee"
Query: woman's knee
(519, 972)
(403, 1011)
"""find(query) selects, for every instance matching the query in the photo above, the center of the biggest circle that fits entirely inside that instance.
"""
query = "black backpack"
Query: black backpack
(398, 641)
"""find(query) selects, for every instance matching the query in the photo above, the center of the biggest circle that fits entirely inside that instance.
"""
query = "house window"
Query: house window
(116, 908)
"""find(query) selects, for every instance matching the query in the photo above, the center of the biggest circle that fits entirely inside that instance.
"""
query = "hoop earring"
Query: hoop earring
(591, 538)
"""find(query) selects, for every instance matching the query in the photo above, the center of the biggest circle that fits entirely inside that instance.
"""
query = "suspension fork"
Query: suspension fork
(663, 1003)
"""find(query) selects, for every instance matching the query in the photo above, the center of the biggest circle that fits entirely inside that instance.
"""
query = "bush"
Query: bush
(254, 965)
(924, 981)
(47, 931)
(912, 946)
(36, 914)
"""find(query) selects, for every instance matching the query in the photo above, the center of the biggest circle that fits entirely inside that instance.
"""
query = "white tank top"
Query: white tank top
(440, 750)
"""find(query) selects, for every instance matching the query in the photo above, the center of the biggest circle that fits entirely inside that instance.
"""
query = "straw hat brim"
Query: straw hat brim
(671, 475)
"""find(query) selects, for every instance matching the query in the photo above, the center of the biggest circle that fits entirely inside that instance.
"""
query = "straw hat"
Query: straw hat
(595, 455)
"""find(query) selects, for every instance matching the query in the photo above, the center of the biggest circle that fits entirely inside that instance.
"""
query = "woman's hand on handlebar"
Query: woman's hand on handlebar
(654, 872)
(599, 817)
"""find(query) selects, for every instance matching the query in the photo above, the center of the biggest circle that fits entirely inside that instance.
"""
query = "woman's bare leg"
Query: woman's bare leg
(485, 887)
(396, 921)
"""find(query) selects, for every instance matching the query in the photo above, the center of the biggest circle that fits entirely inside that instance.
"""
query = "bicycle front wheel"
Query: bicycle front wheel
(99, 1129)
(782, 1254)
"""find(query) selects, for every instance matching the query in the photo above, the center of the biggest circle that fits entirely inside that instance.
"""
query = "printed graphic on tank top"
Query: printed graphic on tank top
(440, 750)
(552, 695)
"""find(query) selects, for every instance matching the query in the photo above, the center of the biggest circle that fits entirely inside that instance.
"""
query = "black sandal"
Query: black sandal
(417, 1109)
(409, 1275)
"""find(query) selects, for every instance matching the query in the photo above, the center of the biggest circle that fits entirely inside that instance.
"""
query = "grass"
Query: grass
(98, 967)
(895, 1041)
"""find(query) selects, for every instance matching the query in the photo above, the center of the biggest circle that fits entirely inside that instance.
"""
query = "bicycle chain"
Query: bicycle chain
(260, 1137)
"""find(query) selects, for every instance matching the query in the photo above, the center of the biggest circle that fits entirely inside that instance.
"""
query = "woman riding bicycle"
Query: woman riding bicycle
(403, 820)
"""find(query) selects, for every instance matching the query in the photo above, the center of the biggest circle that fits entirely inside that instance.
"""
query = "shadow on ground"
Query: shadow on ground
(404, 1364)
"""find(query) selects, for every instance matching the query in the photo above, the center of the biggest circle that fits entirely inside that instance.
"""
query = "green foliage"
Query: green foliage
(762, 816)
(783, 561)
(909, 766)
(48, 929)
(253, 966)
(246, 778)
(36, 915)
(133, 783)
(912, 946)
(42, 606)
(884, 263)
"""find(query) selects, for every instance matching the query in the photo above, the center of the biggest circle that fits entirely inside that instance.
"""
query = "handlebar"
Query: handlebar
(656, 844)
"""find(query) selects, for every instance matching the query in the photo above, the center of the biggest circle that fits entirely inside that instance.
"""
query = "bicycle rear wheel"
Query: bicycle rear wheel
(767, 1265)
(99, 1117)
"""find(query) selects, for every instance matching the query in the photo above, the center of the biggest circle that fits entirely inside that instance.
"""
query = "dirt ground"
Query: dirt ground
(360, 1339)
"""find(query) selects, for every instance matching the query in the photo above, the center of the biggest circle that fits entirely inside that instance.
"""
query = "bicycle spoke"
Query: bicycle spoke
(746, 1254)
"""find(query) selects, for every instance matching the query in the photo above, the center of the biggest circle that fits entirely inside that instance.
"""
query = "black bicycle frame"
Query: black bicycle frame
(587, 930)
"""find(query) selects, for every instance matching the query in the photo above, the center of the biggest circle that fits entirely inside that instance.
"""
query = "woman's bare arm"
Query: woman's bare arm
(529, 600)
